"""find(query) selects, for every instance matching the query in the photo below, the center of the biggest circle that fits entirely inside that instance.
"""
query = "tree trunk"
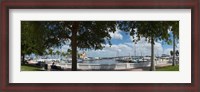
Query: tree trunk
(23, 59)
(74, 45)
(152, 68)
(22, 55)
(174, 44)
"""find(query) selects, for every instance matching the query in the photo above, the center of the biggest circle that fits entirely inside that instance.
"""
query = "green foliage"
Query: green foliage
(69, 51)
(31, 36)
(174, 28)
(94, 34)
(158, 30)
(37, 36)
(175, 31)
(90, 35)
(171, 53)
(51, 52)
(177, 53)
(151, 30)
(57, 52)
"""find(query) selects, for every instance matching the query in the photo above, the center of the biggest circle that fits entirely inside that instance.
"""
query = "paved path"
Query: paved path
(148, 68)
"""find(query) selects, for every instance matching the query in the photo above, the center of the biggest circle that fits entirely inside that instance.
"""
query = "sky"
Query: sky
(122, 45)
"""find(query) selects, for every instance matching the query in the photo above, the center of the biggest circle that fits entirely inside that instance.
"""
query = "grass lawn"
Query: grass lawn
(30, 68)
(168, 68)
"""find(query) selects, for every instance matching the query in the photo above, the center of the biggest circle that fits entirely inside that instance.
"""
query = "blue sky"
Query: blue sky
(126, 38)
(123, 45)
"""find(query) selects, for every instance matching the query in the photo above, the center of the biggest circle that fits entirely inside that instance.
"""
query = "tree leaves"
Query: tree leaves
(37, 36)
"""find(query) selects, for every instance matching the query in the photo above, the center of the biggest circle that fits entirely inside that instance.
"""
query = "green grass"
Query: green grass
(168, 68)
(30, 68)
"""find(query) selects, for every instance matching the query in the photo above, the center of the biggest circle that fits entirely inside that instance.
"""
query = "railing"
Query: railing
(117, 66)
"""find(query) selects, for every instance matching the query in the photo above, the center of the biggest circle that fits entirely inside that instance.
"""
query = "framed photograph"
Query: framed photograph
(114, 45)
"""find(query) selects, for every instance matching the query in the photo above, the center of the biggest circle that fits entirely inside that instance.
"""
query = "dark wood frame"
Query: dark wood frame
(98, 4)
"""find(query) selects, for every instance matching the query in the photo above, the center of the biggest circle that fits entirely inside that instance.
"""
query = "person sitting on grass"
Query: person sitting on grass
(53, 66)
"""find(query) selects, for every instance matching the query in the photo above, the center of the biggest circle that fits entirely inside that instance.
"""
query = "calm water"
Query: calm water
(103, 61)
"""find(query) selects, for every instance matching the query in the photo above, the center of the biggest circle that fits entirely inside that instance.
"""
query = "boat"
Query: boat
(69, 60)
(128, 60)
(79, 61)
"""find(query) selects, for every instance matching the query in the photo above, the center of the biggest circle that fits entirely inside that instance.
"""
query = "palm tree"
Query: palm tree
(63, 54)
(58, 53)
(54, 53)
(69, 51)
(51, 52)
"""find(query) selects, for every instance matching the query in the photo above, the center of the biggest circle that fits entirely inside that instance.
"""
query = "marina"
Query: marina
(99, 45)
(111, 63)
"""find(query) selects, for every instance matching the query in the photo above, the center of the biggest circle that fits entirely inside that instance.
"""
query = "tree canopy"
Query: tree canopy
(151, 30)
(147, 29)
(42, 35)
(90, 34)
(31, 36)
(175, 28)
(38, 36)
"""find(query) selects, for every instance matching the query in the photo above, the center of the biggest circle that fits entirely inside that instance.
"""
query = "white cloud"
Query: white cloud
(116, 35)
(169, 31)
(141, 48)
(126, 49)
(167, 51)
(65, 48)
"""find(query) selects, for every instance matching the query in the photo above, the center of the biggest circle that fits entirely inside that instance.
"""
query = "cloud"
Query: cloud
(141, 48)
(167, 51)
(64, 48)
(111, 51)
(144, 48)
(169, 31)
(116, 35)
(128, 48)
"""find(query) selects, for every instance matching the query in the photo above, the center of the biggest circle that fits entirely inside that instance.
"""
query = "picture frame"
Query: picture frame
(99, 4)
